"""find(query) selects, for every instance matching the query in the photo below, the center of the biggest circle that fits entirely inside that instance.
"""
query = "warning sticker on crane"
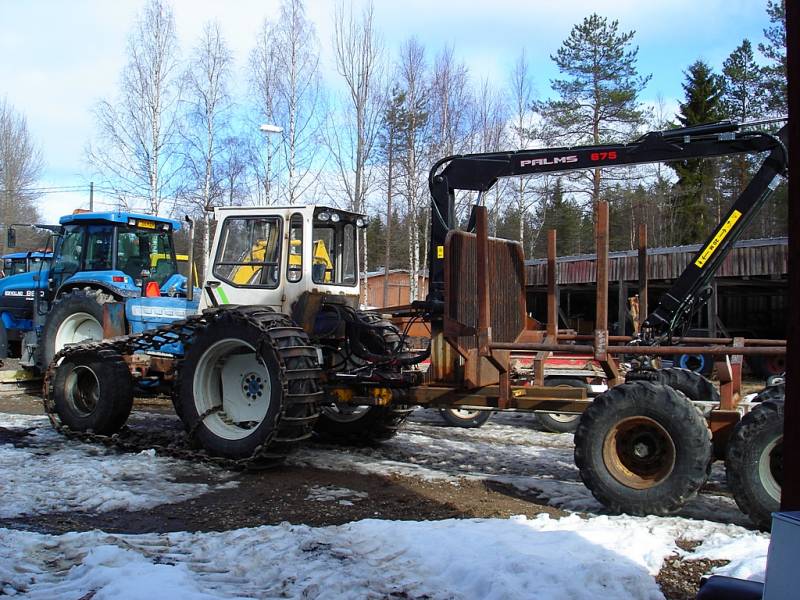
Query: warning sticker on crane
(439, 251)
(717, 239)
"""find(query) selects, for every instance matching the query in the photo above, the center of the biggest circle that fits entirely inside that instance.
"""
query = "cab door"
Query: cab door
(246, 260)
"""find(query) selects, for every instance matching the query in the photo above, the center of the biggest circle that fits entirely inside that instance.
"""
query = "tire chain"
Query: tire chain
(183, 331)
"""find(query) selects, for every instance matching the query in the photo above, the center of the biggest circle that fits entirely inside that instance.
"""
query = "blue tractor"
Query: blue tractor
(111, 273)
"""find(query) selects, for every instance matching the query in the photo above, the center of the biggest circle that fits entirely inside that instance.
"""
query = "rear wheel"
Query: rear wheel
(561, 422)
(754, 462)
(642, 448)
(360, 424)
(75, 317)
(468, 419)
(249, 383)
(345, 423)
(93, 391)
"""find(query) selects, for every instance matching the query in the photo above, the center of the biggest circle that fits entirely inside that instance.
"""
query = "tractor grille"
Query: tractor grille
(506, 288)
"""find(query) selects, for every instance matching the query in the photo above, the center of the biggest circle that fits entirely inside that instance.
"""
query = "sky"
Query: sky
(59, 58)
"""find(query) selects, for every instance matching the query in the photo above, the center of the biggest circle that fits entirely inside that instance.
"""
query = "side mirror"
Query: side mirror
(11, 237)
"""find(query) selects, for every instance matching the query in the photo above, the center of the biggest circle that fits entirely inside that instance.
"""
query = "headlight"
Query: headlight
(324, 216)
(335, 217)
(361, 223)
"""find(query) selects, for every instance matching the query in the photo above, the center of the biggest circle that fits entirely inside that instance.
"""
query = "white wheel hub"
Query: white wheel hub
(78, 327)
(563, 418)
(232, 388)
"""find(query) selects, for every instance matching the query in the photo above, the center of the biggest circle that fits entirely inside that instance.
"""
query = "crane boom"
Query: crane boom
(480, 172)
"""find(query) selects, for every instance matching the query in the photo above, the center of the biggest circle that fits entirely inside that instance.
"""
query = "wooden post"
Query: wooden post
(643, 312)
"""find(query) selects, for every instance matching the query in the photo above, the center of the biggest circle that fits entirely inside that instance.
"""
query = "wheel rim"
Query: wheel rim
(770, 468)
(563, 418)
(639, 452)
(232, 388)
(78, 327)
(693, 362)
(82, 390)
(462, 413)
(344, 413)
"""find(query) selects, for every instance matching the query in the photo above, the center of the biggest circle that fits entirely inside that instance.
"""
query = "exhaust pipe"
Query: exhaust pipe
(190, 277)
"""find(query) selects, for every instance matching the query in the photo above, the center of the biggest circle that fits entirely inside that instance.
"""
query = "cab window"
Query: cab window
(249, 252)
(294, 260)
(146, 253)
(334, 253)
(98, 248)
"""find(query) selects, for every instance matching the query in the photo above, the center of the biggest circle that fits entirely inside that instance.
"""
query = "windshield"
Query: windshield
(143, 251)
(334, 253)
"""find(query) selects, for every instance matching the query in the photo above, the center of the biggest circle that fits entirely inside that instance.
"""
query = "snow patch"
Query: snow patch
(43, 472)
(597, 558)
(331, 493)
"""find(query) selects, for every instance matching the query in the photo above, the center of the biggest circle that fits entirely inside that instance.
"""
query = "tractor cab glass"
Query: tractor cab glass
(146, 254)
(249, 251)
(14, 266)
(334, 259)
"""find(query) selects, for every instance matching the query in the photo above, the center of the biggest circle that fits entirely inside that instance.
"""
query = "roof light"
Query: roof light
(360, 222)
(324, 216)
(336, 217)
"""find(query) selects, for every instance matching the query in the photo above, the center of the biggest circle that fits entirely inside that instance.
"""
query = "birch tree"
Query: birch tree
(20, 167)
(287, 59)
(137, 148)
(351, 138)
(412, 76)
(208, 104)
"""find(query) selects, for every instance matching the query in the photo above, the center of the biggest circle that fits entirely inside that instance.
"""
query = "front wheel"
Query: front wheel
(642, 448)
(249, 385)
(754, 462)
(468, 419)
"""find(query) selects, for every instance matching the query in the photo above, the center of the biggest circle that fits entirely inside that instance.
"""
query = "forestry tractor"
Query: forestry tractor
(278, 349)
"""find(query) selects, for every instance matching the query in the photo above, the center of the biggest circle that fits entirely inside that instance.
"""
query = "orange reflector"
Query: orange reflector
(152, 290)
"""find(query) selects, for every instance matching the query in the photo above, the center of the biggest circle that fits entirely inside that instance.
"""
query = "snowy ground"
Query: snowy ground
(580, 556)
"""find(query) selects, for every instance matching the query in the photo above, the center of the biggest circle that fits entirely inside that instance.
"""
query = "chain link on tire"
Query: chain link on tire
(300, 383)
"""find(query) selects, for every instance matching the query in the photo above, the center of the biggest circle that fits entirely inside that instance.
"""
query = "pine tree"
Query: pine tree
(743, 92)
(694, 194)
(598, 99)
(566, 217)
(775, 52)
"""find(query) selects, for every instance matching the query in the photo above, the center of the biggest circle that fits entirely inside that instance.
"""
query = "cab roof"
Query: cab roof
(120, 218)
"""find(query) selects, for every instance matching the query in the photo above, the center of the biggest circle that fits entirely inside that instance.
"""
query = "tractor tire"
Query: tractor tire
(642, 448)
(74, 317)
(754, 462)
(248, 385)
(93, 391)
(558, 422)
(349, 424)
(468, 419)
(772, 393)
(698, 363)
(360, 425)
(692, 384)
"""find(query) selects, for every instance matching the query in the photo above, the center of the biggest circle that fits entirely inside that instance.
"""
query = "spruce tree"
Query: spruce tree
(695, 195)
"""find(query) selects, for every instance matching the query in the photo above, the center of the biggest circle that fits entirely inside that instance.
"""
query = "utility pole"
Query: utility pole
(91, 196)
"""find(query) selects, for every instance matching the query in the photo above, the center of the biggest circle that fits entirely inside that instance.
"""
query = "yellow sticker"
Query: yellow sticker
(717, 240)
(439, 251)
